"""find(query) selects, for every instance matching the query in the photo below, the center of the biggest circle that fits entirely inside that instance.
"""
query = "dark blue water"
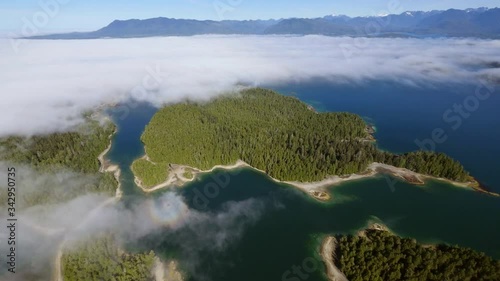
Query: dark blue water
(291, 224)
(404, 115)
(131, 120)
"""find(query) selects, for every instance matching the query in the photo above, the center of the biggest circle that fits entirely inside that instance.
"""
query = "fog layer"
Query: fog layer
(47, 84)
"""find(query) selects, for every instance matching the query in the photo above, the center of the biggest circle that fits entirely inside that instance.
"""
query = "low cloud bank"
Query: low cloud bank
(43, 229)
(47, 85)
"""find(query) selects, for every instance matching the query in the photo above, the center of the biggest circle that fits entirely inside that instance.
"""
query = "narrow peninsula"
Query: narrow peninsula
(280, 136)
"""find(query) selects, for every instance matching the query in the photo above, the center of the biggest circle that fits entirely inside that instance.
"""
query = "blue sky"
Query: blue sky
(93, 14)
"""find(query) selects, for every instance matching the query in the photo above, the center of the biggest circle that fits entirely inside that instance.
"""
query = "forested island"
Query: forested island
(378, 255)
(79, 152)
(277, 134)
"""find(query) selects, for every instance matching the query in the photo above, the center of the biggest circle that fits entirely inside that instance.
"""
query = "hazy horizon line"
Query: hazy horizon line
(4, 32)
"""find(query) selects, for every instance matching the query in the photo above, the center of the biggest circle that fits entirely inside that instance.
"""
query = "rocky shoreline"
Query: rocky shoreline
(317, 190)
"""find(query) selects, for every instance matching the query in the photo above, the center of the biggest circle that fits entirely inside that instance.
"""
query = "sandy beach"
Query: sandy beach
(166, 271)
(94, 213)
(176, 174)
(327, 254)
(176, 178)
(58, 275)
(102, 161)
(317, 190)
(107, 167)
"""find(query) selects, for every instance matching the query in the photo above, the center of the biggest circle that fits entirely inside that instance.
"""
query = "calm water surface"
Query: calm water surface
(290, 224)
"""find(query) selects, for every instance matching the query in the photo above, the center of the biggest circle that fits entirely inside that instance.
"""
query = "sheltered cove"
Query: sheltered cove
(281, 137)
(177, 176)
(317, 190)
(161, 269)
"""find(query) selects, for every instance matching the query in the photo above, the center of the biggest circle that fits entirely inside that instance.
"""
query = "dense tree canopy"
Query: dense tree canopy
(62, 153)
(102, 260)
(274, 133)
(381, 256)
(74, 156)
(74, 150)
(427, 163)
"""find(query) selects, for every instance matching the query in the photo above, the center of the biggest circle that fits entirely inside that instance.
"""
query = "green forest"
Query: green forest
(275, 133)
(59, 153)
(74, 150)
(75, 155)
(381, 256)
(103, 260)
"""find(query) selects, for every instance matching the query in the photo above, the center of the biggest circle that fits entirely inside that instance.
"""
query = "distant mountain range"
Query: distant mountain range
(481, 22)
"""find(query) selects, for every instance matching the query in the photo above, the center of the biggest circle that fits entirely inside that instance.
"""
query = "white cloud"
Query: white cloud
(45, 228)
(47, 84)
